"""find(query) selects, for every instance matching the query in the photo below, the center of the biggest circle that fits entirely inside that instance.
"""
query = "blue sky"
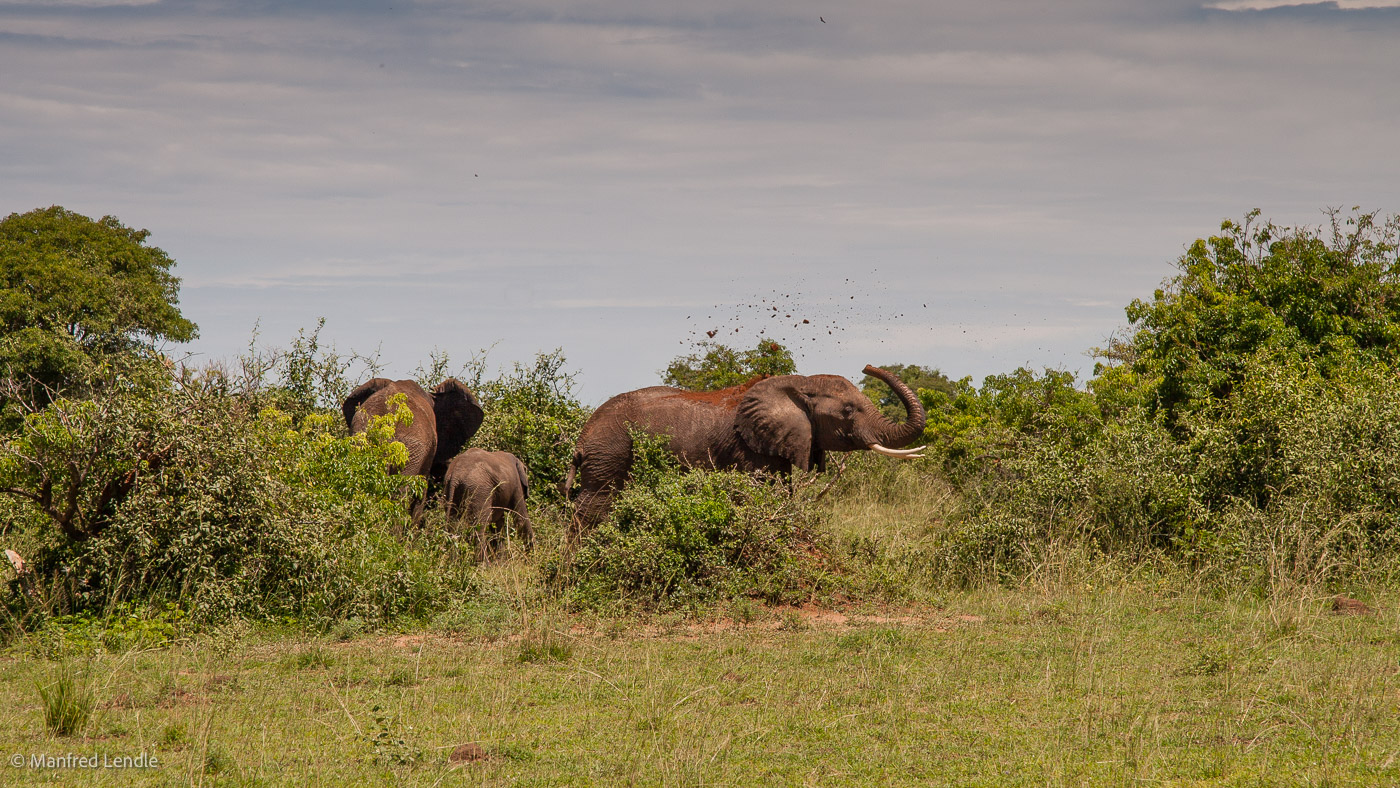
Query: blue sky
(972, 186)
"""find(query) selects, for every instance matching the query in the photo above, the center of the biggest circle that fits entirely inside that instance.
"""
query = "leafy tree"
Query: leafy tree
(533, 413)
(720, 366)
(1263, 288)
(914, 376)
(75, 293)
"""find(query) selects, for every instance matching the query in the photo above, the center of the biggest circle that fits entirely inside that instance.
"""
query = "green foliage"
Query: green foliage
(126, 628)
(76, 293)
(720, 366)
(533, 413)
(1249, 426)
(678, 539)
(304, 378)
(391, 741)
(914, 376)
(1262, 288)
(970, 424)
(178, 494)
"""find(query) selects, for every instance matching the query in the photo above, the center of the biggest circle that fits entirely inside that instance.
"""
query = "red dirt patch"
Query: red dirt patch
(1346, 606)
(468, 753)
(728, 397)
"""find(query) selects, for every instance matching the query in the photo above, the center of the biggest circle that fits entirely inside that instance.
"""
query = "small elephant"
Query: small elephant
(768, 425)
(481, 487)
(443, 422)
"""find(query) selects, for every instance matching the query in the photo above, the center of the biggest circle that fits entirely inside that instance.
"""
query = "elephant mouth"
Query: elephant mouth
(903, 454)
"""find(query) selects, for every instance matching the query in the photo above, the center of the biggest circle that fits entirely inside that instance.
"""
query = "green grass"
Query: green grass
(1140, 682)
(67, 701)
(1087, 671)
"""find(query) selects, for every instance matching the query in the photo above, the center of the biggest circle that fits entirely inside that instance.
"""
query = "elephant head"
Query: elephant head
(443, 421)
(801, 417)
(458, 417)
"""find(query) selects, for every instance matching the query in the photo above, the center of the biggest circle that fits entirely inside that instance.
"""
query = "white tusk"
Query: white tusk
(904, 454)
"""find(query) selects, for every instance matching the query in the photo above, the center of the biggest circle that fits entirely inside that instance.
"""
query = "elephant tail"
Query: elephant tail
(567, 485)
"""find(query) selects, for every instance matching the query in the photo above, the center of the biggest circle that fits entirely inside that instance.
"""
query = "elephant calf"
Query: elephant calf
(481, 487)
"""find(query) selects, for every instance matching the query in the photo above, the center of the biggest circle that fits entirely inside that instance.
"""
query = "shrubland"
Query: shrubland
(1241, 430)
(1122, 579)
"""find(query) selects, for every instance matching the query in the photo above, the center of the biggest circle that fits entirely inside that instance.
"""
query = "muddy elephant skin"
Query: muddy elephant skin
(768, 425)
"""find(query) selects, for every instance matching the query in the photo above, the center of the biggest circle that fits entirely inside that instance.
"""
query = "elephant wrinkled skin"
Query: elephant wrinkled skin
(482, 486)
(443, 422)
(766, 425)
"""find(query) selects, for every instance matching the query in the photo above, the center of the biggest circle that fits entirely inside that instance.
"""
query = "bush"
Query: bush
(721, 366)
(533, 413)
(688, 539)
(1258, 288)
(172, 493)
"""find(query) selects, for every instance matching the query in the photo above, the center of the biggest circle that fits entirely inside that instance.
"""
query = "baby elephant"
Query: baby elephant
(481, 487)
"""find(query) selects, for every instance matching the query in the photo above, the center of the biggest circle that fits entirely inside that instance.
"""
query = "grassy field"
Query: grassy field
(1142, 682)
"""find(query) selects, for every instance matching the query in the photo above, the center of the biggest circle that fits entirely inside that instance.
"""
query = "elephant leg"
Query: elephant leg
(499, 535)
(485, 548)
(593, 507)
(601, 476)
(522, 523)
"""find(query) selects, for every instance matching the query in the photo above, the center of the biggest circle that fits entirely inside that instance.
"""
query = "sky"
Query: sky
(970, 186)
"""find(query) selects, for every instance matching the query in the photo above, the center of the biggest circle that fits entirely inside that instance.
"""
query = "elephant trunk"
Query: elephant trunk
(893, 434)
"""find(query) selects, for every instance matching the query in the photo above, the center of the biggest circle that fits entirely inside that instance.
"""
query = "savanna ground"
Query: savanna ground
(1083, 673)
(1133, 580)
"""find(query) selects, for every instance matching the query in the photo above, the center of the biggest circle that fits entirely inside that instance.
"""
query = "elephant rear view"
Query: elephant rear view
(766, 425)
(482, 486)
(443, 422)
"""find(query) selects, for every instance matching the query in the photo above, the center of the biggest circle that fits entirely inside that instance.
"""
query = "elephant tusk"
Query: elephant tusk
(903, 454)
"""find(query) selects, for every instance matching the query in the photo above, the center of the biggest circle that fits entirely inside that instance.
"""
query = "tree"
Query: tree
(914, 376)
(721, 366)
(1262, 289)
(75, 293)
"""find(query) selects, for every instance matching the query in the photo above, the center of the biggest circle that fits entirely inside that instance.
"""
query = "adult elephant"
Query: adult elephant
(481, 487)
(443, 422)
(766, 425)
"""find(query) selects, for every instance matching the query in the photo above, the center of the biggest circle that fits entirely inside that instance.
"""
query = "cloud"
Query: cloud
(1264, 5)
(81, 3)
(586, 174)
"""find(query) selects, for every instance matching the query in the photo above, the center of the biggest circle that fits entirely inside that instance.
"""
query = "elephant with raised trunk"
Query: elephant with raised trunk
(482, 487)
(766, 425)
(443, 422)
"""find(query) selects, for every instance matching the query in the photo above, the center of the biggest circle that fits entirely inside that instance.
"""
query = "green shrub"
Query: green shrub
(1289, 292)
(179, 494)
(678, 539)
(720, 366)
(533, 413)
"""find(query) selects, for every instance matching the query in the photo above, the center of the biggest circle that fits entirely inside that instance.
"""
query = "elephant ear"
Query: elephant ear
(458, 417)
(358, 397)
(772, 419)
